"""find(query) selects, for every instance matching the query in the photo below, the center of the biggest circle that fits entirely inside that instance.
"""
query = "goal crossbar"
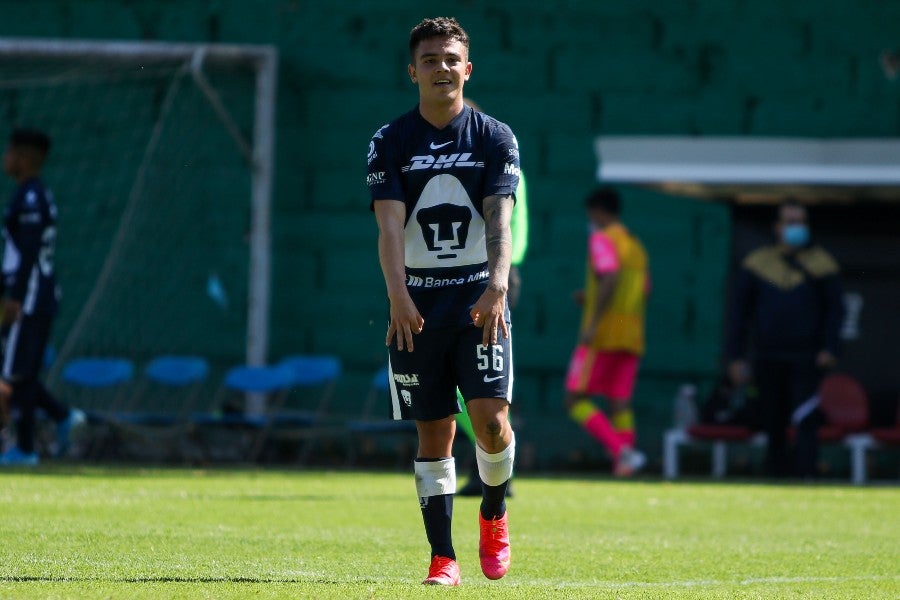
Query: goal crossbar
(263, 60)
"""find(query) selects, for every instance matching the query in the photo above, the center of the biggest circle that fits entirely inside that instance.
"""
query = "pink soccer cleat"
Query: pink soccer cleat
(443, 571)
(493, 547)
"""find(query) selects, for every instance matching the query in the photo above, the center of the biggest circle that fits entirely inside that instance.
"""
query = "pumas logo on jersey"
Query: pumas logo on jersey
(375, 178)
(407, 380)
(407, 397)
(445, 228)
(441, 161)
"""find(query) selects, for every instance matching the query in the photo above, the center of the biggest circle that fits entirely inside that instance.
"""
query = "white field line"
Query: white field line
(696, 583)
(513, 581)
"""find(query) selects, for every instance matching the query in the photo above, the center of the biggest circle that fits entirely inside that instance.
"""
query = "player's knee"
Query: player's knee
(435, 437)
(493, 435)
(490, 421)
(570, 400)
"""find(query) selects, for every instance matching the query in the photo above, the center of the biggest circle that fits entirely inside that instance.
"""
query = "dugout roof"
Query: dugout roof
(755, 169)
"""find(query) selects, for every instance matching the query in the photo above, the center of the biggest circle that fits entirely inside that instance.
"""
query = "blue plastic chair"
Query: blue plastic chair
(310, 370)
(272, 381)
(258, 379)
(314, 379)
(104, 378)
(171, 372)
(98, 372)
(369, 425)
(177, 370)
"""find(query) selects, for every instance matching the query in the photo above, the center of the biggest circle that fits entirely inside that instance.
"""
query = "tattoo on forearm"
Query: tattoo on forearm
(497, 212)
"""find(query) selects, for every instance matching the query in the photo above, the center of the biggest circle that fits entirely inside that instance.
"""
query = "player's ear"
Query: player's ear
(468, 70)
(412, 73)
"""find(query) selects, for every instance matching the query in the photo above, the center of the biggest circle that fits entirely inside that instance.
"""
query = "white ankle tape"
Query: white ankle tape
(435, 478)
(495, 469)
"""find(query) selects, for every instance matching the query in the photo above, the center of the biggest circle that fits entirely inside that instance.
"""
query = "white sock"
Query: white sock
(495, 469)
(435, 477)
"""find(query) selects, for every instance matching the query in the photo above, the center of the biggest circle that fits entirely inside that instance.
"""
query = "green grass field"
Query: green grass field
(91, 532)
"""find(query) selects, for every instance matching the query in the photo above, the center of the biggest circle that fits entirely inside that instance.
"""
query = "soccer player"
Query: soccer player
(442, 179)
(519, 228)
(611, 341)
(31, 294)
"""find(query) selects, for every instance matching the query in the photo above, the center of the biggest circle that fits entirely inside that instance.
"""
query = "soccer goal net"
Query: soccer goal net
(160, 166)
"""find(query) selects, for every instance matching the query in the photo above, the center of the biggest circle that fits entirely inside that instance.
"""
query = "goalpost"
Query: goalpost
(161, 166)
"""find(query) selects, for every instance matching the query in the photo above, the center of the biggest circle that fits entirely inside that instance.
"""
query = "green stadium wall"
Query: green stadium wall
(560, 74)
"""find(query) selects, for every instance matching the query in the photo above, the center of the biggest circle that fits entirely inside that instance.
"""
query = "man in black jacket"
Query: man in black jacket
(788, 301)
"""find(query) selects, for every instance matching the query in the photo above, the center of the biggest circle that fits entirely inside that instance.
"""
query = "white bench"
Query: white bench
(858, 445)
(673, 439)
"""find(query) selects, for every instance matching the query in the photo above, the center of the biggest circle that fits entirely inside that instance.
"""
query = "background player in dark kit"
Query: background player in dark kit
(31, 294)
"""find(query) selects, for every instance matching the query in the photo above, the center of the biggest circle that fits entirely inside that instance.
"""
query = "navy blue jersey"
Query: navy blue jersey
(443, 177)
(30, 232)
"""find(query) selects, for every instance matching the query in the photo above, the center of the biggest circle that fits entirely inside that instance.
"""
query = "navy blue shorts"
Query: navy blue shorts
(423, 382)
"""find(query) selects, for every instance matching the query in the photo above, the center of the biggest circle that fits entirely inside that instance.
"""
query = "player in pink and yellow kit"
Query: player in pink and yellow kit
(611, 339)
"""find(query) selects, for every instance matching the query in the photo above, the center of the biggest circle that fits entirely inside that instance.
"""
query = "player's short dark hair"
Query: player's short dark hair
(30, 138)
(604, 198)
(438, 27)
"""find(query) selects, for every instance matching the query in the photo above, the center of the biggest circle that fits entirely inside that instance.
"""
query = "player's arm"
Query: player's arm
(5, 395)
(743, 301)
(833, 297)
(606, 285)
(605, 270)
(405, 317)
(488, 312)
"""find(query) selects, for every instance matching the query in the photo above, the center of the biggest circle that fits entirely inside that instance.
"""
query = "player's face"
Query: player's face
(11, 161)
(597, 217)
(441, 69)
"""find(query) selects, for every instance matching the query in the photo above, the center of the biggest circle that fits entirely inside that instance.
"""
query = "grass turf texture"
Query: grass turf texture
(171, 533)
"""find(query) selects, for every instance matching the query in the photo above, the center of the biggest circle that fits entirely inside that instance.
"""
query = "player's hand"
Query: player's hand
(826, 360)
(488, 314)
(739, 372)
(405, 321)
(578, 297)
(11, 311)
